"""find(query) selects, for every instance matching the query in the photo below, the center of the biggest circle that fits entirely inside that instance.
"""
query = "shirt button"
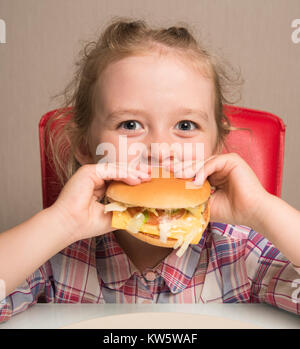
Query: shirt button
(150, 276)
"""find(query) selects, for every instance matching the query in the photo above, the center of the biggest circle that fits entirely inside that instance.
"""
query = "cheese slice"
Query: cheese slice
(136, 223)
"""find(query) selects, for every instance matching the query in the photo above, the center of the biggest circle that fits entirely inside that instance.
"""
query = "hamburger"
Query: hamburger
(168, 212)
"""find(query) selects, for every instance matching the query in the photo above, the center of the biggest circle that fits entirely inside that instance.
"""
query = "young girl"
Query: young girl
(152, 86)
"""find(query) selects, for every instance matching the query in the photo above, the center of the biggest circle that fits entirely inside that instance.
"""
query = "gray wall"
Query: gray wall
(44, 37)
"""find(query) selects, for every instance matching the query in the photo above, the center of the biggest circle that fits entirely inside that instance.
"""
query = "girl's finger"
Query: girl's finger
(218, 167)
(190, 168)
(118, 171)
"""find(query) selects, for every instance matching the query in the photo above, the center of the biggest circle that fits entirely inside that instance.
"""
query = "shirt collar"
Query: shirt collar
(115, 268)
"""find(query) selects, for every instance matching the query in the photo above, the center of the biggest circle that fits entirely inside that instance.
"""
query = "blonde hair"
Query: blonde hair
(122, 38)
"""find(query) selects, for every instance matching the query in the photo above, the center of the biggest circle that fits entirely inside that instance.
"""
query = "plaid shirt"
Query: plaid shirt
(230, 264)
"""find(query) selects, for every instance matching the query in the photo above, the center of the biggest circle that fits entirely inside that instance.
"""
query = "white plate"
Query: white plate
(148, 320)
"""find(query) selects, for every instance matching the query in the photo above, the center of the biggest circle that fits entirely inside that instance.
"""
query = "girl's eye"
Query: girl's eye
(186, 125)
(130, 125)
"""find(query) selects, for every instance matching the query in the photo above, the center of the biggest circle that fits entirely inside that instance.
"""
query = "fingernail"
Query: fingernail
(147, 179)
(198, 181)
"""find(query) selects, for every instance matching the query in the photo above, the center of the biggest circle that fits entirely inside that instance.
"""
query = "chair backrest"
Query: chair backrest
(260, 144)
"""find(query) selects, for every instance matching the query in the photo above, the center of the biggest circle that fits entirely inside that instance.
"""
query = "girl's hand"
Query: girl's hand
(78, 207)
(238, 193)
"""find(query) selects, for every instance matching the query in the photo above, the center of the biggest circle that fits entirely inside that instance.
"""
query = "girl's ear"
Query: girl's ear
(83, 154)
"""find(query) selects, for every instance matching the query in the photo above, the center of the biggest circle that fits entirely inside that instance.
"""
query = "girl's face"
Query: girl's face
(152, 99)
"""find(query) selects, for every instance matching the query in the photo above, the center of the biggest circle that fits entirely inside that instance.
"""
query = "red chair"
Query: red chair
(260, 143)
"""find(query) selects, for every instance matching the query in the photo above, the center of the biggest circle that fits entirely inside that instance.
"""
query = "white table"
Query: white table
(52, 316)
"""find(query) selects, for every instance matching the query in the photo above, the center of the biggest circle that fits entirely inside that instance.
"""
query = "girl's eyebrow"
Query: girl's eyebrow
(181, 111)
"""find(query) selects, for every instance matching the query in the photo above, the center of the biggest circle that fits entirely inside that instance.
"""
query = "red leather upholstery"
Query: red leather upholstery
(262, 148)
